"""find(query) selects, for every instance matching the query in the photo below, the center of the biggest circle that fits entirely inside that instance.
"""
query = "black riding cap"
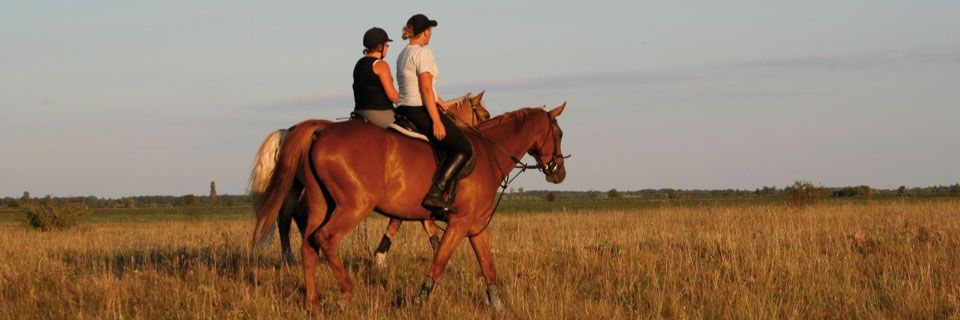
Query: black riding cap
(374, 37)
(420, 22)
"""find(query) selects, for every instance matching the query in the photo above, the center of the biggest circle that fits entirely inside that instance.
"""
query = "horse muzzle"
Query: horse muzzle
(557, 176)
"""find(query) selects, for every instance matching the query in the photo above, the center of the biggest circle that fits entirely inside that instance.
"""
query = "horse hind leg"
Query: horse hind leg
(316, 211)
(341, 221)
(380, 255)
(291, 204)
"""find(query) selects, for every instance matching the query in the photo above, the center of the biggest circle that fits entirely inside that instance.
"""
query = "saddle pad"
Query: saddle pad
(404, 131)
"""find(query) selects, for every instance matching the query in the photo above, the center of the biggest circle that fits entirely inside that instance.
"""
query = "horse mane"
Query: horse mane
(458, 99)
(518, 115)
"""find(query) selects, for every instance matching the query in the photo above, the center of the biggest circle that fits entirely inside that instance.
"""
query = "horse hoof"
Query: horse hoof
(425, 290)
(493, 294)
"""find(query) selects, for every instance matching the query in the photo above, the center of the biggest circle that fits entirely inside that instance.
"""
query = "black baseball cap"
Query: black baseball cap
(374, 37)
(420, 22)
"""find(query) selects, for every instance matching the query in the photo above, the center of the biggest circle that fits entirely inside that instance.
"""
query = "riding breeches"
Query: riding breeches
(454, 142)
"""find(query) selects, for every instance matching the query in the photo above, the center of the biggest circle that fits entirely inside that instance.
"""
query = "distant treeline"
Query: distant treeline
(134, 202)
(189, 200)
(862, 191)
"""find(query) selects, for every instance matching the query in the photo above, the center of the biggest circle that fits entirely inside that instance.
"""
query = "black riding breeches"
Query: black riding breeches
(454, 142)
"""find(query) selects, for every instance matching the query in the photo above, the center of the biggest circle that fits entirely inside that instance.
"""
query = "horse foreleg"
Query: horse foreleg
(448, 243)
(380, 256)
(431, 229)
(481, 247)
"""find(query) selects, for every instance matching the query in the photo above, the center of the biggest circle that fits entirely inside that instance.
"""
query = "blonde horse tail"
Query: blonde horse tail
(292, 150)
(264, 163)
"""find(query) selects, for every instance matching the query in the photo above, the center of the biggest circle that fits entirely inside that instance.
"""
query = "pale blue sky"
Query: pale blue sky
(114, 98)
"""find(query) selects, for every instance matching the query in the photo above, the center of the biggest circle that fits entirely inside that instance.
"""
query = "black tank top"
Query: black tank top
(368, 93)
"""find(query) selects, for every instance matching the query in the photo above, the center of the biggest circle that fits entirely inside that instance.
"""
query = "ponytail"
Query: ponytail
(407, 32)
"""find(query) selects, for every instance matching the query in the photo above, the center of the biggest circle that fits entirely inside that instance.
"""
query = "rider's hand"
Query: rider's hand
(439, 131)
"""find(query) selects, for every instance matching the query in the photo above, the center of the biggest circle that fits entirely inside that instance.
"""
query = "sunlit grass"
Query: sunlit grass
(837, 260)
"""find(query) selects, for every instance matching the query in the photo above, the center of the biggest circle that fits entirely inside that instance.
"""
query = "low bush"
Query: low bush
(803, 193)
(50, 216)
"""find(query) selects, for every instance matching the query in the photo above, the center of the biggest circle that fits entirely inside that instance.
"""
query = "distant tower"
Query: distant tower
(214, 198)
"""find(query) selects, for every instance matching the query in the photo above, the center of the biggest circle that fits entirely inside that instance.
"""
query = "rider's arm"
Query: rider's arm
(425, 82)
(382, 70)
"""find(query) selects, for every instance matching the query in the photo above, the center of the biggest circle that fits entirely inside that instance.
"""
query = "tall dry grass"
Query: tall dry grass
(873, 260)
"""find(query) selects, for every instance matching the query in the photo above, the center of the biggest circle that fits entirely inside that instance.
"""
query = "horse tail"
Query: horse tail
(292, 150)
(264, 163)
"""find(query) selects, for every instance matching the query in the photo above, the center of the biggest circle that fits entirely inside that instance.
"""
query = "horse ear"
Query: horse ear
(479, 96)
(558, 110)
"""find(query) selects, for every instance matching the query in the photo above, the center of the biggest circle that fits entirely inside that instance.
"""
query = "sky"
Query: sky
(119, 98)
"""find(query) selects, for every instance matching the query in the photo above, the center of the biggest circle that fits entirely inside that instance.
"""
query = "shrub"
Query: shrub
(862, 191)
(613, 194)
(49, 216)
(803, 193)
(551, 197)
(189, 200)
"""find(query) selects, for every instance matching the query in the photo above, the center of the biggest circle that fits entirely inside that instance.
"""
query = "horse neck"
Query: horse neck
(514, 136)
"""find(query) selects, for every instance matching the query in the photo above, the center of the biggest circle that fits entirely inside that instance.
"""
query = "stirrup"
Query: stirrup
(442, 214)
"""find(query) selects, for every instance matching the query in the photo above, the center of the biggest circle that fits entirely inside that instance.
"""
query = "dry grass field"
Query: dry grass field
(885, 259)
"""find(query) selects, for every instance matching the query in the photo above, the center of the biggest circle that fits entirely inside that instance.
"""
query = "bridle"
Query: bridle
(551, 166)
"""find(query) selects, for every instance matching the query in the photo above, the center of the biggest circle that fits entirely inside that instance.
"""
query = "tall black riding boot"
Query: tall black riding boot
(447, 175)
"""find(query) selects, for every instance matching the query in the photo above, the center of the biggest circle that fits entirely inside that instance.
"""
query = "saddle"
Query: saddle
(405, 127)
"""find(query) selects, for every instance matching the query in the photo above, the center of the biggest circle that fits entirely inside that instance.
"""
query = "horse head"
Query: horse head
(547, 150)
(476, 104)
(469, 109)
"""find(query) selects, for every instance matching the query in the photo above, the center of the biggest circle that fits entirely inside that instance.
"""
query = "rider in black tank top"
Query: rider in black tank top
(368, 92)
(373, 90)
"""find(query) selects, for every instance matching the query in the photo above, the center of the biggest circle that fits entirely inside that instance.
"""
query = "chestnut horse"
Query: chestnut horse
(467, 110)
(353, 168)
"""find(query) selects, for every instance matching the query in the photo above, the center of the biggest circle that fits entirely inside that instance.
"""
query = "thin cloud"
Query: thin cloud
(574, 80)
(855, 61)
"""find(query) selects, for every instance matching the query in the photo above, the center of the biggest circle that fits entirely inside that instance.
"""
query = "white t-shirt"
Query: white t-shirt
(414, 60)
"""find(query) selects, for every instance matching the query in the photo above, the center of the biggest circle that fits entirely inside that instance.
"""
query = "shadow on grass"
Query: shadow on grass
(231, 262)
(226, 261)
